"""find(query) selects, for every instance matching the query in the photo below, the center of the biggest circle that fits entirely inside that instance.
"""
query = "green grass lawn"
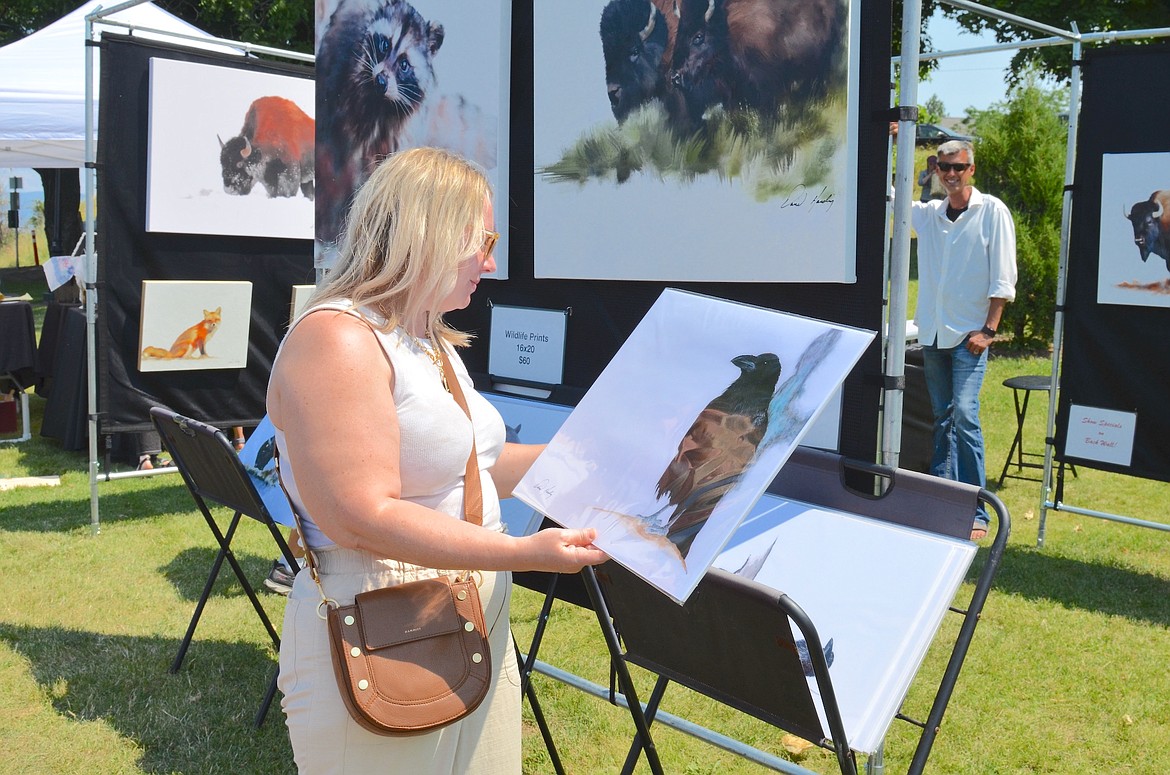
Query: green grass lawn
(1066, 674)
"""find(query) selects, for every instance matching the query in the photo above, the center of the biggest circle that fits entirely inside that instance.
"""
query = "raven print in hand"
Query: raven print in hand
(715, 450)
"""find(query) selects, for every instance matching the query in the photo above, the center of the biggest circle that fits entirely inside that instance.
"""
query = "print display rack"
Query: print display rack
(877, 575)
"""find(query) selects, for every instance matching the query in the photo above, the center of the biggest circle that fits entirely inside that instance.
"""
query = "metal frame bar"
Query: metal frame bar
(99, 16)
(651, 713)
(677, 723)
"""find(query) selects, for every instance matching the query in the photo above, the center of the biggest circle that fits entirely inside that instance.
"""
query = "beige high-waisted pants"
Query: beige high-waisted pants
(326, 740)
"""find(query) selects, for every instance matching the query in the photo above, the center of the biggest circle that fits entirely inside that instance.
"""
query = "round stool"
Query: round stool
(1023, 384)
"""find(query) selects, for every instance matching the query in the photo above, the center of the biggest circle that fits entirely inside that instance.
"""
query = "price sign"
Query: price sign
(527, 344)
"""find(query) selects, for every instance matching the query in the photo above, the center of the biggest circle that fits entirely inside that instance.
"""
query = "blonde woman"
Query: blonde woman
(373, 452)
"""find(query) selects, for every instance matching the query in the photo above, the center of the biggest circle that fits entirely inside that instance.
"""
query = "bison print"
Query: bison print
(275, 148)
(1151, 226)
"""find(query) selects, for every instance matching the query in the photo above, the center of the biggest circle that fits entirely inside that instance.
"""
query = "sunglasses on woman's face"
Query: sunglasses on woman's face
(953, 166)
(489, 242)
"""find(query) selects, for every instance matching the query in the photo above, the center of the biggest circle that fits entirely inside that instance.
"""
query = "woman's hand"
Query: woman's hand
(562, 550)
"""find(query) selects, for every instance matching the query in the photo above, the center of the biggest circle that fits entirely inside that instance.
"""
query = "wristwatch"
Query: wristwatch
(987, 331)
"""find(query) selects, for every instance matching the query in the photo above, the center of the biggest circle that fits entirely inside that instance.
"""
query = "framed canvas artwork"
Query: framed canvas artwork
(194, 325)
(300, 297)
(1134, 254)
(239, 164)
(697, 165)
(393, 75)
(259, 460)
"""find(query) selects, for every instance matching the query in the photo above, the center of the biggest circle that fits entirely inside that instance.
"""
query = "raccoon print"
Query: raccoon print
(375, 68)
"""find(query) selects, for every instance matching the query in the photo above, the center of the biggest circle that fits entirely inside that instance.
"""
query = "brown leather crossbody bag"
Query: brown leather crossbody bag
(412, 657)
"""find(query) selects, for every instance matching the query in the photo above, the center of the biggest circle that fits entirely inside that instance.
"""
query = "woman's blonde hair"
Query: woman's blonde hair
(411, 224)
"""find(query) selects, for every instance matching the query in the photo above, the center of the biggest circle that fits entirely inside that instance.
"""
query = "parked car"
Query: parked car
(934, 135)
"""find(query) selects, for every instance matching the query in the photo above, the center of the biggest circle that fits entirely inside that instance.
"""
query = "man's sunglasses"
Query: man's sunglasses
(953, 166)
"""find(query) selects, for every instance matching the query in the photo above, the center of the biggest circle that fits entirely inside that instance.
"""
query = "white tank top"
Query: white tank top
(435, 433)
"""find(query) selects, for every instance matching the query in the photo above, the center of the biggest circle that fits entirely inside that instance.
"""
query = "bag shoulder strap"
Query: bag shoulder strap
(472, 488)
(310, 560)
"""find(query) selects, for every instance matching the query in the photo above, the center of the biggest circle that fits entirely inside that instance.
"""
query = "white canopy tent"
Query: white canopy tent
(42, 93)
(48, 110)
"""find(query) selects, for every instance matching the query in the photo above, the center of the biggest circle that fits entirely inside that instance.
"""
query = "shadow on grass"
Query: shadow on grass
(189, 569)
(196, 721)
(1107, 589)
(67, 514)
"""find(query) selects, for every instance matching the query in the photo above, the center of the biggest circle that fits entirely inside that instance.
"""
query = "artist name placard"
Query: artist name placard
(528, 344)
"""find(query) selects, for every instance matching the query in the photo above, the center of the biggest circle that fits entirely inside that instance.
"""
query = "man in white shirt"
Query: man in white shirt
(966, 275)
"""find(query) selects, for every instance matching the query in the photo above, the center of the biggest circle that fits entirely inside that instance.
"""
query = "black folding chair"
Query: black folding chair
(213, 473)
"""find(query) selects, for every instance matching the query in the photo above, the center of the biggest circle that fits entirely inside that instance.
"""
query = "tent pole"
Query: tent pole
(90, 283)
(1029, 24)
(1070, 164)
(91, 262)
(900, 251)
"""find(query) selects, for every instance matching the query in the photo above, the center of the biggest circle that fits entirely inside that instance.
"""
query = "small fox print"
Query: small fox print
(191, 340)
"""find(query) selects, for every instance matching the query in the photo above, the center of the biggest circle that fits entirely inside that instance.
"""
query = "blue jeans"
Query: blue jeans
(954, 377)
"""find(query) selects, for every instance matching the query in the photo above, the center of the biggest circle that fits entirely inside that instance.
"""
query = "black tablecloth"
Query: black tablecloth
(62, 379)
(47, 347)
(66, 405)
(18, 342)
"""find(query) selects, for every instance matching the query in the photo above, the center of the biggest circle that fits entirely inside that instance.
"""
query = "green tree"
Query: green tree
(284, 24)
(931, 111)
(22, 17)
(1020, 159)
(1055, 61)
(1089, 16)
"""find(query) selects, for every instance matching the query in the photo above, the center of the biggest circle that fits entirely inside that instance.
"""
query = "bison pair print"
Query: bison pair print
(715, 140)
(1134, 252)
(697, 86)
(682, 432)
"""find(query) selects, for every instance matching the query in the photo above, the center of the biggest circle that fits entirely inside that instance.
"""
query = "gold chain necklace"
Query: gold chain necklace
(434, 354)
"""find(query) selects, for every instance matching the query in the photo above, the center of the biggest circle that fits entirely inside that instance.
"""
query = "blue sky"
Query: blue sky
(976, 80)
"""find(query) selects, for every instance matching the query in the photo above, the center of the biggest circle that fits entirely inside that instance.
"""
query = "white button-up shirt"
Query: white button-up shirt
(961, 265)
